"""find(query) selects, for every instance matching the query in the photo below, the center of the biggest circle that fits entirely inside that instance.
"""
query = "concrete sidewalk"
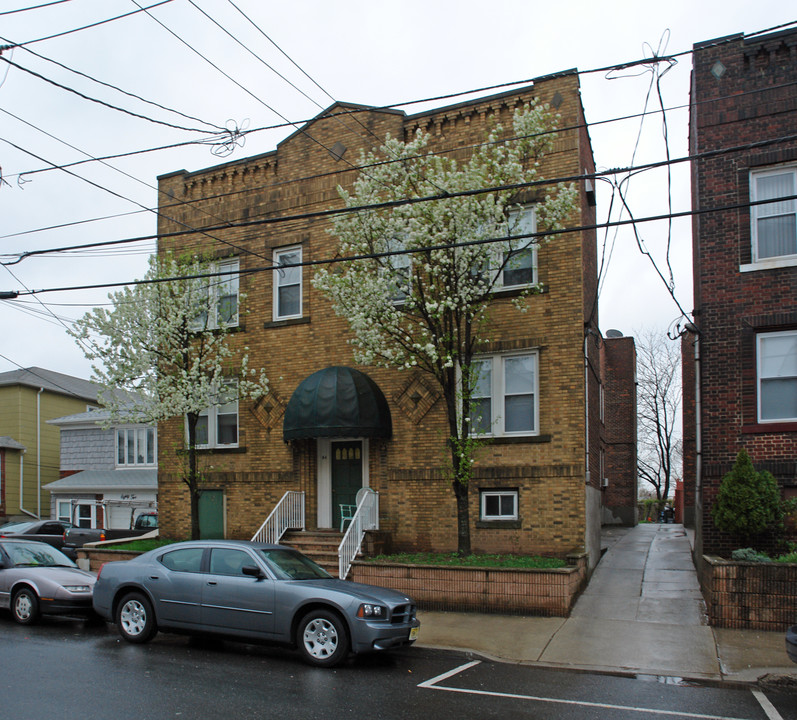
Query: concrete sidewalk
(642, 613)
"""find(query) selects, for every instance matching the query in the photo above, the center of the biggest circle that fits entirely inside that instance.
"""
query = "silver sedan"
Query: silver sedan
(36, 578)
(252, 591)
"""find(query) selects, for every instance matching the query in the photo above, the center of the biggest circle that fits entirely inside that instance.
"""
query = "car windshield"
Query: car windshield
(15, 527)
(292, 565)
(36, 555)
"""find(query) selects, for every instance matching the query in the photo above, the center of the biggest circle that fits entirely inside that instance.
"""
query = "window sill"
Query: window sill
(772, 427)
(222, 449)
(286, 323)
(499, 524)
(770, 264)
(515, 439)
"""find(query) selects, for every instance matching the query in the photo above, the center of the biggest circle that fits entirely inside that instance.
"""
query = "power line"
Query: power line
(33, 7)
(429, 198)
(252, 189)
(106, 104)
(431, 248)
(84, 27)
(216, 128)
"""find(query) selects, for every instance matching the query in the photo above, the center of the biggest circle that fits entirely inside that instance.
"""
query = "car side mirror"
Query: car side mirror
(253, 570)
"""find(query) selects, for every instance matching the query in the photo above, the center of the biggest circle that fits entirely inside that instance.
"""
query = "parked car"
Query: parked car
(252, 591)
(48, 531)
(77, 537)
(36, 579)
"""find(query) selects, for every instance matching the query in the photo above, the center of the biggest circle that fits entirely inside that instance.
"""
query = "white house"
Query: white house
(109, 473)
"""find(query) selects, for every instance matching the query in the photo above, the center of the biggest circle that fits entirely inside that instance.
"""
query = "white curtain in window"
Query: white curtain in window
(777, 365)
(776, 222)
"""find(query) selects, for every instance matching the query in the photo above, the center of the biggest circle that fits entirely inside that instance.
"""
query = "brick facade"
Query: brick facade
(743, 96)
(558, 511)
(620, 430)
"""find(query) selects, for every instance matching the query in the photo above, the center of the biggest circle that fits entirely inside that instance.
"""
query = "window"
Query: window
(396, 269)
(287, 284)
(519, 259)
(185, 560)
(85, 516)
(777, 377)
(218, 425)
(499, 504)
(222, 297)
(774, 228)
(65, 511)
(135, 446)
(225, 561)
(504, 397)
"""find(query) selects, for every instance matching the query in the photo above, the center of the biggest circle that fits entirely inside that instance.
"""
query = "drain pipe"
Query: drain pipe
(698, 435)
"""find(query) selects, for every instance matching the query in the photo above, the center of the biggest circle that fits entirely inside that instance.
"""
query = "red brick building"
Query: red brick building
(538, 490)
(742, 136)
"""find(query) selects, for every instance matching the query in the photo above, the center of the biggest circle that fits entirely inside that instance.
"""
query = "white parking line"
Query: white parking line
(769, 708)
(432, 685)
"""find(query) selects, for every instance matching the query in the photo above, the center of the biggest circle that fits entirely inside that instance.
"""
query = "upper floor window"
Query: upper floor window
(287, 283)
(135, 446)
(777, 377)
(396, 269)
(519, 257)
(505, 395)
(218, 425)
(222, 305)
(774, 227)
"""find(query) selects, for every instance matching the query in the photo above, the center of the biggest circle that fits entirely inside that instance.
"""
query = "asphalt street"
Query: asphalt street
(70, 669)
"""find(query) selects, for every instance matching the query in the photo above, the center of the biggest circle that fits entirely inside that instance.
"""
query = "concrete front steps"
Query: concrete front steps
(319, 545)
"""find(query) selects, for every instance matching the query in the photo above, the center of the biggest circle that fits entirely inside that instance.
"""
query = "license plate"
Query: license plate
(414, 633)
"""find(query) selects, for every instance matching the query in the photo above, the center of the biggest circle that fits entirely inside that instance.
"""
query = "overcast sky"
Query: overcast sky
(367, 52)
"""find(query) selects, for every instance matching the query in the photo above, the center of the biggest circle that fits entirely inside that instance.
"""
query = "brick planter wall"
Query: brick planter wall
(758, 596)
(512, 591)
(91, 558)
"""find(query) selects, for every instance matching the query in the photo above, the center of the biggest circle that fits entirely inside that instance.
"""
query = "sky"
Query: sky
(291, 61)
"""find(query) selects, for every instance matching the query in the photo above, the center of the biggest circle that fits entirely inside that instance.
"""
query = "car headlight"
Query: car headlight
(367, 610)
(77, 588)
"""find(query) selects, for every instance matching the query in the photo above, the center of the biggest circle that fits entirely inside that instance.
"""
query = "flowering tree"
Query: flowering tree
(420, 297)
(166, 340)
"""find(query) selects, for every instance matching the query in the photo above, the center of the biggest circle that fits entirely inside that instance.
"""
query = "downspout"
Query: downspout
(22, 485)
(698, 440)
(39, 452)
(586, 408)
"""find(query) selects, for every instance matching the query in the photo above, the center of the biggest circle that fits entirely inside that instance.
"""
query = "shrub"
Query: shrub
(750, 555)
(748, 504)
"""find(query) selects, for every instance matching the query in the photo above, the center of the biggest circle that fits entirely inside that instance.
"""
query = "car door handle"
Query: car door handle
(154, 577)
(212, 582)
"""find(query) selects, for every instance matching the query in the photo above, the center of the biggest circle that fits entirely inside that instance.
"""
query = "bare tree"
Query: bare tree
(658, 407)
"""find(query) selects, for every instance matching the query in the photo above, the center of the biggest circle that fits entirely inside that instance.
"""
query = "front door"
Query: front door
(347, 475)
(211, 514)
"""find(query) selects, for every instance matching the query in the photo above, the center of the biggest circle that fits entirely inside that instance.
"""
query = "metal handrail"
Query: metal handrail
(365, 518)
(288, 513)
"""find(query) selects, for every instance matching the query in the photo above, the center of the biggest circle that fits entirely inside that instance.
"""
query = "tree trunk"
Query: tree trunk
(463, 519)
(193, 479)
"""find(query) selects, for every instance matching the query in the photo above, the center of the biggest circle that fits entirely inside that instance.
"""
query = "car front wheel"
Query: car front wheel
(25, 606)
(322, 638)
(136, 619)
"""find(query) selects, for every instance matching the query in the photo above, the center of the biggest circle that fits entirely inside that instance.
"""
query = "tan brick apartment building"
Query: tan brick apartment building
(539, 490)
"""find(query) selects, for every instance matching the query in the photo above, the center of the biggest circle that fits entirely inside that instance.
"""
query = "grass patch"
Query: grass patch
(141, 545)
(453, 560)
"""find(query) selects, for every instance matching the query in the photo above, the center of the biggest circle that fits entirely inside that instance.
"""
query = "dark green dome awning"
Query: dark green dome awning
(337, 402)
